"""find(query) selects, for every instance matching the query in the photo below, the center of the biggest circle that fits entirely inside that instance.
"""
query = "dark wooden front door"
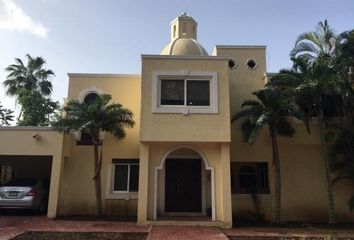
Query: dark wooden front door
(183, 185)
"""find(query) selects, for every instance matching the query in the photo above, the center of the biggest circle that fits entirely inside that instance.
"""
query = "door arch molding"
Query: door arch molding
(207, 168)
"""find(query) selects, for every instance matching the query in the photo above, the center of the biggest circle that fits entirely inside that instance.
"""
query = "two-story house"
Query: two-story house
(183, 162)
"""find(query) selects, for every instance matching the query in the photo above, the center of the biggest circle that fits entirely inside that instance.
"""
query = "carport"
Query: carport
(26, 167)
(33, 152)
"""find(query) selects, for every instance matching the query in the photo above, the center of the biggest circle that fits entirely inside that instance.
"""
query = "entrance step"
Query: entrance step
(186, 232)
(187, 223)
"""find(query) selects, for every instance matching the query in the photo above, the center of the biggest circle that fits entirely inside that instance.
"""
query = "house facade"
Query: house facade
(183, 161)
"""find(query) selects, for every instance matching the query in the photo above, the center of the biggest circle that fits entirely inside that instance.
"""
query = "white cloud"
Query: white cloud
(12, 17)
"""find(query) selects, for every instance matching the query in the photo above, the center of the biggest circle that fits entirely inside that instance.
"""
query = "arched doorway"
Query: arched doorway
(184, 184)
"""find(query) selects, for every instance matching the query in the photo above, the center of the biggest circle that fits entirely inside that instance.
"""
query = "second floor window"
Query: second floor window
(185, 92)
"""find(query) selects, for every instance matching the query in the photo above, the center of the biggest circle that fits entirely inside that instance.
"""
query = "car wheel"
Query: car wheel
(42, 207)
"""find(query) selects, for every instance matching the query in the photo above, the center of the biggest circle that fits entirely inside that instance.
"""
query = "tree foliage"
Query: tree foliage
(95, 119)
(31, 84)
(6, 116)
(32, 76)
(37, 110)
(271, 109)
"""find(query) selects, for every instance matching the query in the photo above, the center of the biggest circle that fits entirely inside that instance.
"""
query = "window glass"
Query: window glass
(85, 139)
(248, 178)
(121, 178)
(172, 92)
(198, 93)
(90, 98)
(134, 178)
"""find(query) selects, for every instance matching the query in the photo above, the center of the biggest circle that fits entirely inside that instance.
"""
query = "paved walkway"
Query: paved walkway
(186, 233)
(11, 226)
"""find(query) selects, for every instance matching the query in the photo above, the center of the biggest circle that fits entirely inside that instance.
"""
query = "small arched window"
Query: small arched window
(91, 98)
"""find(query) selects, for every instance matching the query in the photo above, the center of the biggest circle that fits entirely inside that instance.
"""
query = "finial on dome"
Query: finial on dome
(183, 26)
(184, 38)
(183, 14)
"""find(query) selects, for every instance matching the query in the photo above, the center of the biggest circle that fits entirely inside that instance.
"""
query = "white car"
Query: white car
(25, 193)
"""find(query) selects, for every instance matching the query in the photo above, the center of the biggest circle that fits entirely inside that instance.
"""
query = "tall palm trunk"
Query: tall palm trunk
(97, 179)
(277, 177)
(329, 189)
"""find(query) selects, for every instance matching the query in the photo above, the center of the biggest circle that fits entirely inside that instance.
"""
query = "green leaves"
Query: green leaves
(37, 110)
(31, 77)
(6, 116)
(95, 117)
(312, 45)
(271, 108)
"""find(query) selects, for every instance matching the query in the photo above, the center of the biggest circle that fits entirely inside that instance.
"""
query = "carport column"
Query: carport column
(226, 185)
(143, 183)
(57, 165)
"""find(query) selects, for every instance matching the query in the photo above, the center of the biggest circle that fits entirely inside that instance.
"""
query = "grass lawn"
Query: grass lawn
(80, 236)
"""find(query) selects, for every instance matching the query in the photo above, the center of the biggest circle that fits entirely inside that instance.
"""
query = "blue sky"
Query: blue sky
(108, 36)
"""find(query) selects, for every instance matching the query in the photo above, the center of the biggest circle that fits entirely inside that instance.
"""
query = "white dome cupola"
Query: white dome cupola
(184, 38)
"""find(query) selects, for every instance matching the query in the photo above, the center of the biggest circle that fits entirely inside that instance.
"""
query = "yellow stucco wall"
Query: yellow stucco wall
(77, 190)
(213, 155)
(192, 127)
(304, 196)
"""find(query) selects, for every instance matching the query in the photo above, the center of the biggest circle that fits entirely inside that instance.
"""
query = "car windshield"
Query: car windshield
(22, 182)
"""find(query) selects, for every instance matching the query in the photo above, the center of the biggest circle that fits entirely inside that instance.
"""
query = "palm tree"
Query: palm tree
(342, 157)
(308, 82)
(5, 116)
(317, 44)
(342, 150)
(270, 110)
(32, 76)
(95, 119)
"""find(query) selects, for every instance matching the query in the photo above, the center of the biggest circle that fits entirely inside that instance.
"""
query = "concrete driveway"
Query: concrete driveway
(11, 226)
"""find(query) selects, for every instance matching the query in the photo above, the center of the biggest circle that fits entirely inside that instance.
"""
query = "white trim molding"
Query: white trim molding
(110, 193)
(87, 91)
(207, 168)
(157, 76)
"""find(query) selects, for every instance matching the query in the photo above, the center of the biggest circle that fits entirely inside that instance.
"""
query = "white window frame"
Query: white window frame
(111, 193)
(185, 76)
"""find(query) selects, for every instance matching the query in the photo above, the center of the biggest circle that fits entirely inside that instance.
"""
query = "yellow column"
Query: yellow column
(57, 166)
(226, 185)
(143, 183)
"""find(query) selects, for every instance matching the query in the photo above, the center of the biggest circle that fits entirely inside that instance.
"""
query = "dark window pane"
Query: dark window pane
(121, 178)
(90, 98)
(85, 139)
(172, 92)
(134, 178)
(247, 177)
(263, 178)
(198, 93)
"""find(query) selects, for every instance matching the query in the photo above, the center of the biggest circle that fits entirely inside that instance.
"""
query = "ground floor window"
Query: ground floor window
(125, 175)
(248, 178)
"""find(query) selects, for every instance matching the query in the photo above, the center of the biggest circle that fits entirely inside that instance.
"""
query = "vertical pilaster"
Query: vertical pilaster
(226, 185)
(143, 183)
(57, 167)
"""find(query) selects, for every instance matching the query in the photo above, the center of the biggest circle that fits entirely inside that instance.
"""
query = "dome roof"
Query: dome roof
(184, 46)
